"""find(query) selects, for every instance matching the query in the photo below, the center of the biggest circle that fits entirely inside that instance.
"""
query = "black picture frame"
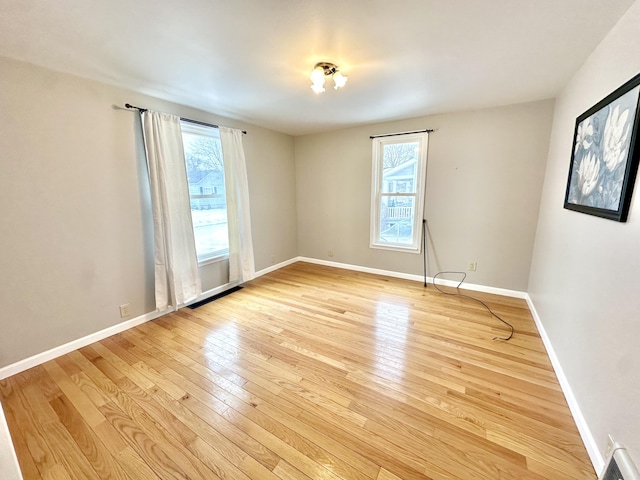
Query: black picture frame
(605, 154)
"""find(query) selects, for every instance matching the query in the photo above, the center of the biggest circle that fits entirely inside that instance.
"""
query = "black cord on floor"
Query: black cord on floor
(458, 294)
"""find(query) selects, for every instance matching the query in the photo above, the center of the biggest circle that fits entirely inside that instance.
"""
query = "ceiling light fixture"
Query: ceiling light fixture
(322, 70)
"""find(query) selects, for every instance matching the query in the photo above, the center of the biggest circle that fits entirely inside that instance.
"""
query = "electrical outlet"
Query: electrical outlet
(330, 253)
(473, 266)
(124, 310)
(273, 259)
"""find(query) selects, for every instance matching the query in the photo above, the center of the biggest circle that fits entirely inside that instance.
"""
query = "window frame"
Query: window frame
(205, 131)
(377, 194)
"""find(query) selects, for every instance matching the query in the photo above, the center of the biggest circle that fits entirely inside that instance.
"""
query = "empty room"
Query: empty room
(295, 239)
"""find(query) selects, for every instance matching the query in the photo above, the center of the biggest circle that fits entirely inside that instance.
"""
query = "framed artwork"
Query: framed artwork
(604, 159)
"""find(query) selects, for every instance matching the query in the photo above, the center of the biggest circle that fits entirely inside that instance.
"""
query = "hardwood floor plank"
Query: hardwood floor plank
(135, 467)
(89, 444)
(227, 438)
(57, 472)
(297, 458)
(82, 403)
(308, 372)
(254, 469)
(150, 451)
(117, 368)
(184, 435)
(19, 414)
(385, 475)
(286, 471)
(549, 454)
(165, 439)
(324, 441)
(371, 446)
(68, 452)
(25, 460)
(111, 439)
(310, 448)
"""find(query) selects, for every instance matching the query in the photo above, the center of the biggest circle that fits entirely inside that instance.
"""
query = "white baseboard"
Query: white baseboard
(417, 278)
(56, 352)
(590, 443)
(278, 266)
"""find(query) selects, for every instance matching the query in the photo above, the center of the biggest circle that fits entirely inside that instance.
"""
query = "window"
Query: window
(205, 173)
(397, 194)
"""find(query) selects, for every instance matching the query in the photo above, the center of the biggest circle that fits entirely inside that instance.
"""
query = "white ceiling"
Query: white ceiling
(250, 59)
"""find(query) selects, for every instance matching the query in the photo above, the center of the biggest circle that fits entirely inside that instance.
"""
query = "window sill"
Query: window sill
(211, 260)
(396, 248)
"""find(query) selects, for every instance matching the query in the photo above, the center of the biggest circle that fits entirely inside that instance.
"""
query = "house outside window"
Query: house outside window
(205, 174)
(397, 194)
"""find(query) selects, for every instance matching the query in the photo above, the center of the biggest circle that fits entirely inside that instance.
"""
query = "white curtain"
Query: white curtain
(241, 262)
(176, 263)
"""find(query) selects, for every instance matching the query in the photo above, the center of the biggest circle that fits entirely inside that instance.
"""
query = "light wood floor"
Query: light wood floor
(307, 372)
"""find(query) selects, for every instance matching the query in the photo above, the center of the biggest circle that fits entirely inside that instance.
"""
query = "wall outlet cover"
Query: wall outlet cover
(124, 310)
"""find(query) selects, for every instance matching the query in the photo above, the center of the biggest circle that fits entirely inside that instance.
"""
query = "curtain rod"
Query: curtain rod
(427, 130)
(197, 122)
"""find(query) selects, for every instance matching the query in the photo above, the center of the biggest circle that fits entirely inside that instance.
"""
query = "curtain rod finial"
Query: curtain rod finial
(133, 107)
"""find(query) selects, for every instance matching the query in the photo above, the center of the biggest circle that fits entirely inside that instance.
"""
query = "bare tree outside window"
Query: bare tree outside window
(397, 154)
(203, 153)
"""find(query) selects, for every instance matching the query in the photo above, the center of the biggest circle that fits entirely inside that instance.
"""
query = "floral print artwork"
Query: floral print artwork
(600, 154)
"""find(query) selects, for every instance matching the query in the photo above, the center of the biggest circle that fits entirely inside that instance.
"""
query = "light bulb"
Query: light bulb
(339, 80)
(317, 77)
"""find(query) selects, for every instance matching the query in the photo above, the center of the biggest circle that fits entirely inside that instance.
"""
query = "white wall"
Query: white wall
(584, 279)
(484, 179)
(76, 238)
